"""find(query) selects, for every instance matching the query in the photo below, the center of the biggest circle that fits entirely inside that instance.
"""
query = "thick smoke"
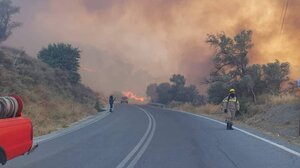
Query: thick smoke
(127, 44)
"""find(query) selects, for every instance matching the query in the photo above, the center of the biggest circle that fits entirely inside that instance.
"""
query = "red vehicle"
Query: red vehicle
(16, 133)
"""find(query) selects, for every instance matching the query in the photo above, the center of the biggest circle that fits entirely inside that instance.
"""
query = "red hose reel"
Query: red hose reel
(11, 106)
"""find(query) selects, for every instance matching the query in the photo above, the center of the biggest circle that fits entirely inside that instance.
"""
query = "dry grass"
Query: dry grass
(51, 102)
(55, 114)
(205, 109)
(268, 99)
(282, 99)
(264, 102)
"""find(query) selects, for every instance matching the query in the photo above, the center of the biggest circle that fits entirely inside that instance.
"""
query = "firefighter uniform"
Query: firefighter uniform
(231, 105)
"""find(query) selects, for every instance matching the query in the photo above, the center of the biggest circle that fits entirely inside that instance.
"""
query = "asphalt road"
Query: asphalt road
(148, 137)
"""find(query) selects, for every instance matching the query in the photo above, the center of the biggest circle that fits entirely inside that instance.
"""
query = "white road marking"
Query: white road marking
(137, 147)
(145, 146)
(270, 142)
(246, 132)
(78, 126)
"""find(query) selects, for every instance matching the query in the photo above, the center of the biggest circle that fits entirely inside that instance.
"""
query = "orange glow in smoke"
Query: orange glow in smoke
(131, 95)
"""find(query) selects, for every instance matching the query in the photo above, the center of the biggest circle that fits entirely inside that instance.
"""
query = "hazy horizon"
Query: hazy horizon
(128, 44)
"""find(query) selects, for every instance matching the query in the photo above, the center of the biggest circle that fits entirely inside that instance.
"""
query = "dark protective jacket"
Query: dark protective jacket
(111, 100)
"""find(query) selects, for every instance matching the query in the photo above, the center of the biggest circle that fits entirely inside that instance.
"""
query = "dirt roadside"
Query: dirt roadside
(279, 121)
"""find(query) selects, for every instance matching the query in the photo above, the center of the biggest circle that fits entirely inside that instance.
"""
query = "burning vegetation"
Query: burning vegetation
(231, 69)
(132, 96)
(140, 41)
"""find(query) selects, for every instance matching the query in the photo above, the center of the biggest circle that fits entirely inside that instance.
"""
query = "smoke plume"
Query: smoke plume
(127, 44)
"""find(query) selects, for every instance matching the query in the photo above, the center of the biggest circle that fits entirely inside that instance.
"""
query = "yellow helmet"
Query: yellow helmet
(232, 91)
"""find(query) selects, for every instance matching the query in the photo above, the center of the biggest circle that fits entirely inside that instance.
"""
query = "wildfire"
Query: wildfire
(131, 95)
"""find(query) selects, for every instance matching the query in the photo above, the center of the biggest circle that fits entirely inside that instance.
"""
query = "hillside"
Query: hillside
(50, 100)
(279, 119)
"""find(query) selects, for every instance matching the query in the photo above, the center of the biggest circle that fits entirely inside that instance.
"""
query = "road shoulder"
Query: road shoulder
(251, 131)
(73, 127)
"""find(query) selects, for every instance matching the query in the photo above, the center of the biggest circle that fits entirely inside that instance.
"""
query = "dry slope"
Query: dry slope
(50, 100)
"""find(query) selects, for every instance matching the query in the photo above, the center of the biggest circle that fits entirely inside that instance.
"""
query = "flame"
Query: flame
(118, 37)
(131, 95)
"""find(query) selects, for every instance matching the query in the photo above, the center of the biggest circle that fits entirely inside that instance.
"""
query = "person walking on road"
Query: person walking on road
(111, 103)
(231, 106)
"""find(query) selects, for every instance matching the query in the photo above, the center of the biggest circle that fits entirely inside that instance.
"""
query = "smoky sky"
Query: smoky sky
(127, 44)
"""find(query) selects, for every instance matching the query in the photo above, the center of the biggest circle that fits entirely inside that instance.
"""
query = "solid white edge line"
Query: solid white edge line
(270, 142)
(245, 132)
(135, 149)
(145, 146)
(63, 132)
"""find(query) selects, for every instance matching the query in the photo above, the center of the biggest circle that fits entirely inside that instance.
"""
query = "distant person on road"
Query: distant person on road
(111, 102)
(231, 107)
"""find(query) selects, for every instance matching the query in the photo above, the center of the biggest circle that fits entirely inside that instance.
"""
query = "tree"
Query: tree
(231, 69)
(255, 81)
(231, 58)
(275, 74)
(7, 10)
(217, 92)
(163, 91)
(243, 42)
(178, 87)
(231, 65)
(247, 84)
(191, 95)
(152, 92)
(64, 57)
(175, 91)
(178, 80)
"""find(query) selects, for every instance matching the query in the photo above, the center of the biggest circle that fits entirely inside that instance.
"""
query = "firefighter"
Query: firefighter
(231, 107)
(111, 103)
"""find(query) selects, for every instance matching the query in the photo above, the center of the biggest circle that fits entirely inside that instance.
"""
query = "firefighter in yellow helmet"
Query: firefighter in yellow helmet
(231, 106)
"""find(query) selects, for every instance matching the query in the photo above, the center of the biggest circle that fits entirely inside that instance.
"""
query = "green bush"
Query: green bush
(64, 57)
